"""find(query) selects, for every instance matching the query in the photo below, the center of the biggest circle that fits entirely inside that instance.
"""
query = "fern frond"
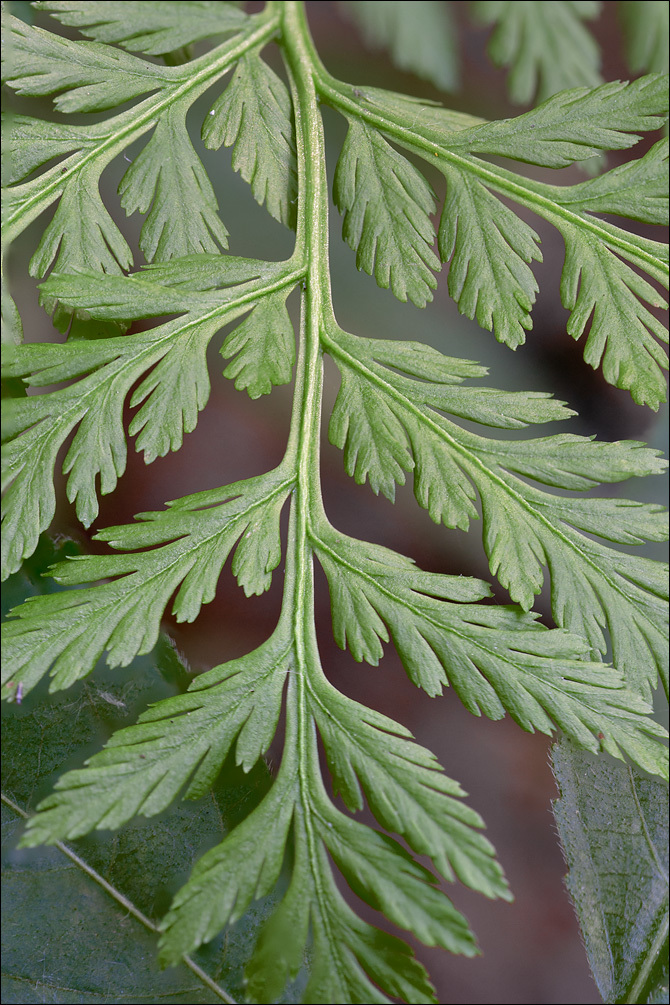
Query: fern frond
(190, 544)
(91, 76)
(143, 766)
(489, 248)
(389, 423)
(645, 32)
(264, 157)
(396, 414)
(85, 76)
(386, 204)
(171, 359)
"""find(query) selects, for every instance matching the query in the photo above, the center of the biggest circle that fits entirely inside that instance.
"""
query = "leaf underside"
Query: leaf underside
(613, 825)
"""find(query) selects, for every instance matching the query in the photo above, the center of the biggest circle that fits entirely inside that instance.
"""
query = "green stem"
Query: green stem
(313, 218)
(316, 299)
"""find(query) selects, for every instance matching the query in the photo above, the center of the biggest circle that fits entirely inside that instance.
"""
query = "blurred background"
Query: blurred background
(531, 949)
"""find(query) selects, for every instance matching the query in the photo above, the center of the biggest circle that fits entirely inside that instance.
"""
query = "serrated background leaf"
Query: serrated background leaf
(420, 35)
(546, 44)
(645, 32)
(613, 824)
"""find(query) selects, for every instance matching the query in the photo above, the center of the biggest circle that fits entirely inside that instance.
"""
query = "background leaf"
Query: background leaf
(545, 44)
(645, 32)
(420, 35)
(613, 824)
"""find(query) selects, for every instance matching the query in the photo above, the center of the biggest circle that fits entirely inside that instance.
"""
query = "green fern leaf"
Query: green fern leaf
(81, 234)
(402, 409)
(92, 77)
(386, 205)
(142, 29)
(489, 246)
(598, 287)
(488, 249)
(218, 891)
(376, 594)
(524, 528)
(142, 766)
(123, 617)
(365, 858)
(636, 190)
(95, 405)
(29, 145)
(406, 791)
(262, 347)
(208, 272)
(171, 359)
(175, 193)
(265, 156)
(575, 124)
(422, 111)
(343, 947)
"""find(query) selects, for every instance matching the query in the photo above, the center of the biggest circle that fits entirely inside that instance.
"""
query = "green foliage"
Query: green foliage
(402, 410)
